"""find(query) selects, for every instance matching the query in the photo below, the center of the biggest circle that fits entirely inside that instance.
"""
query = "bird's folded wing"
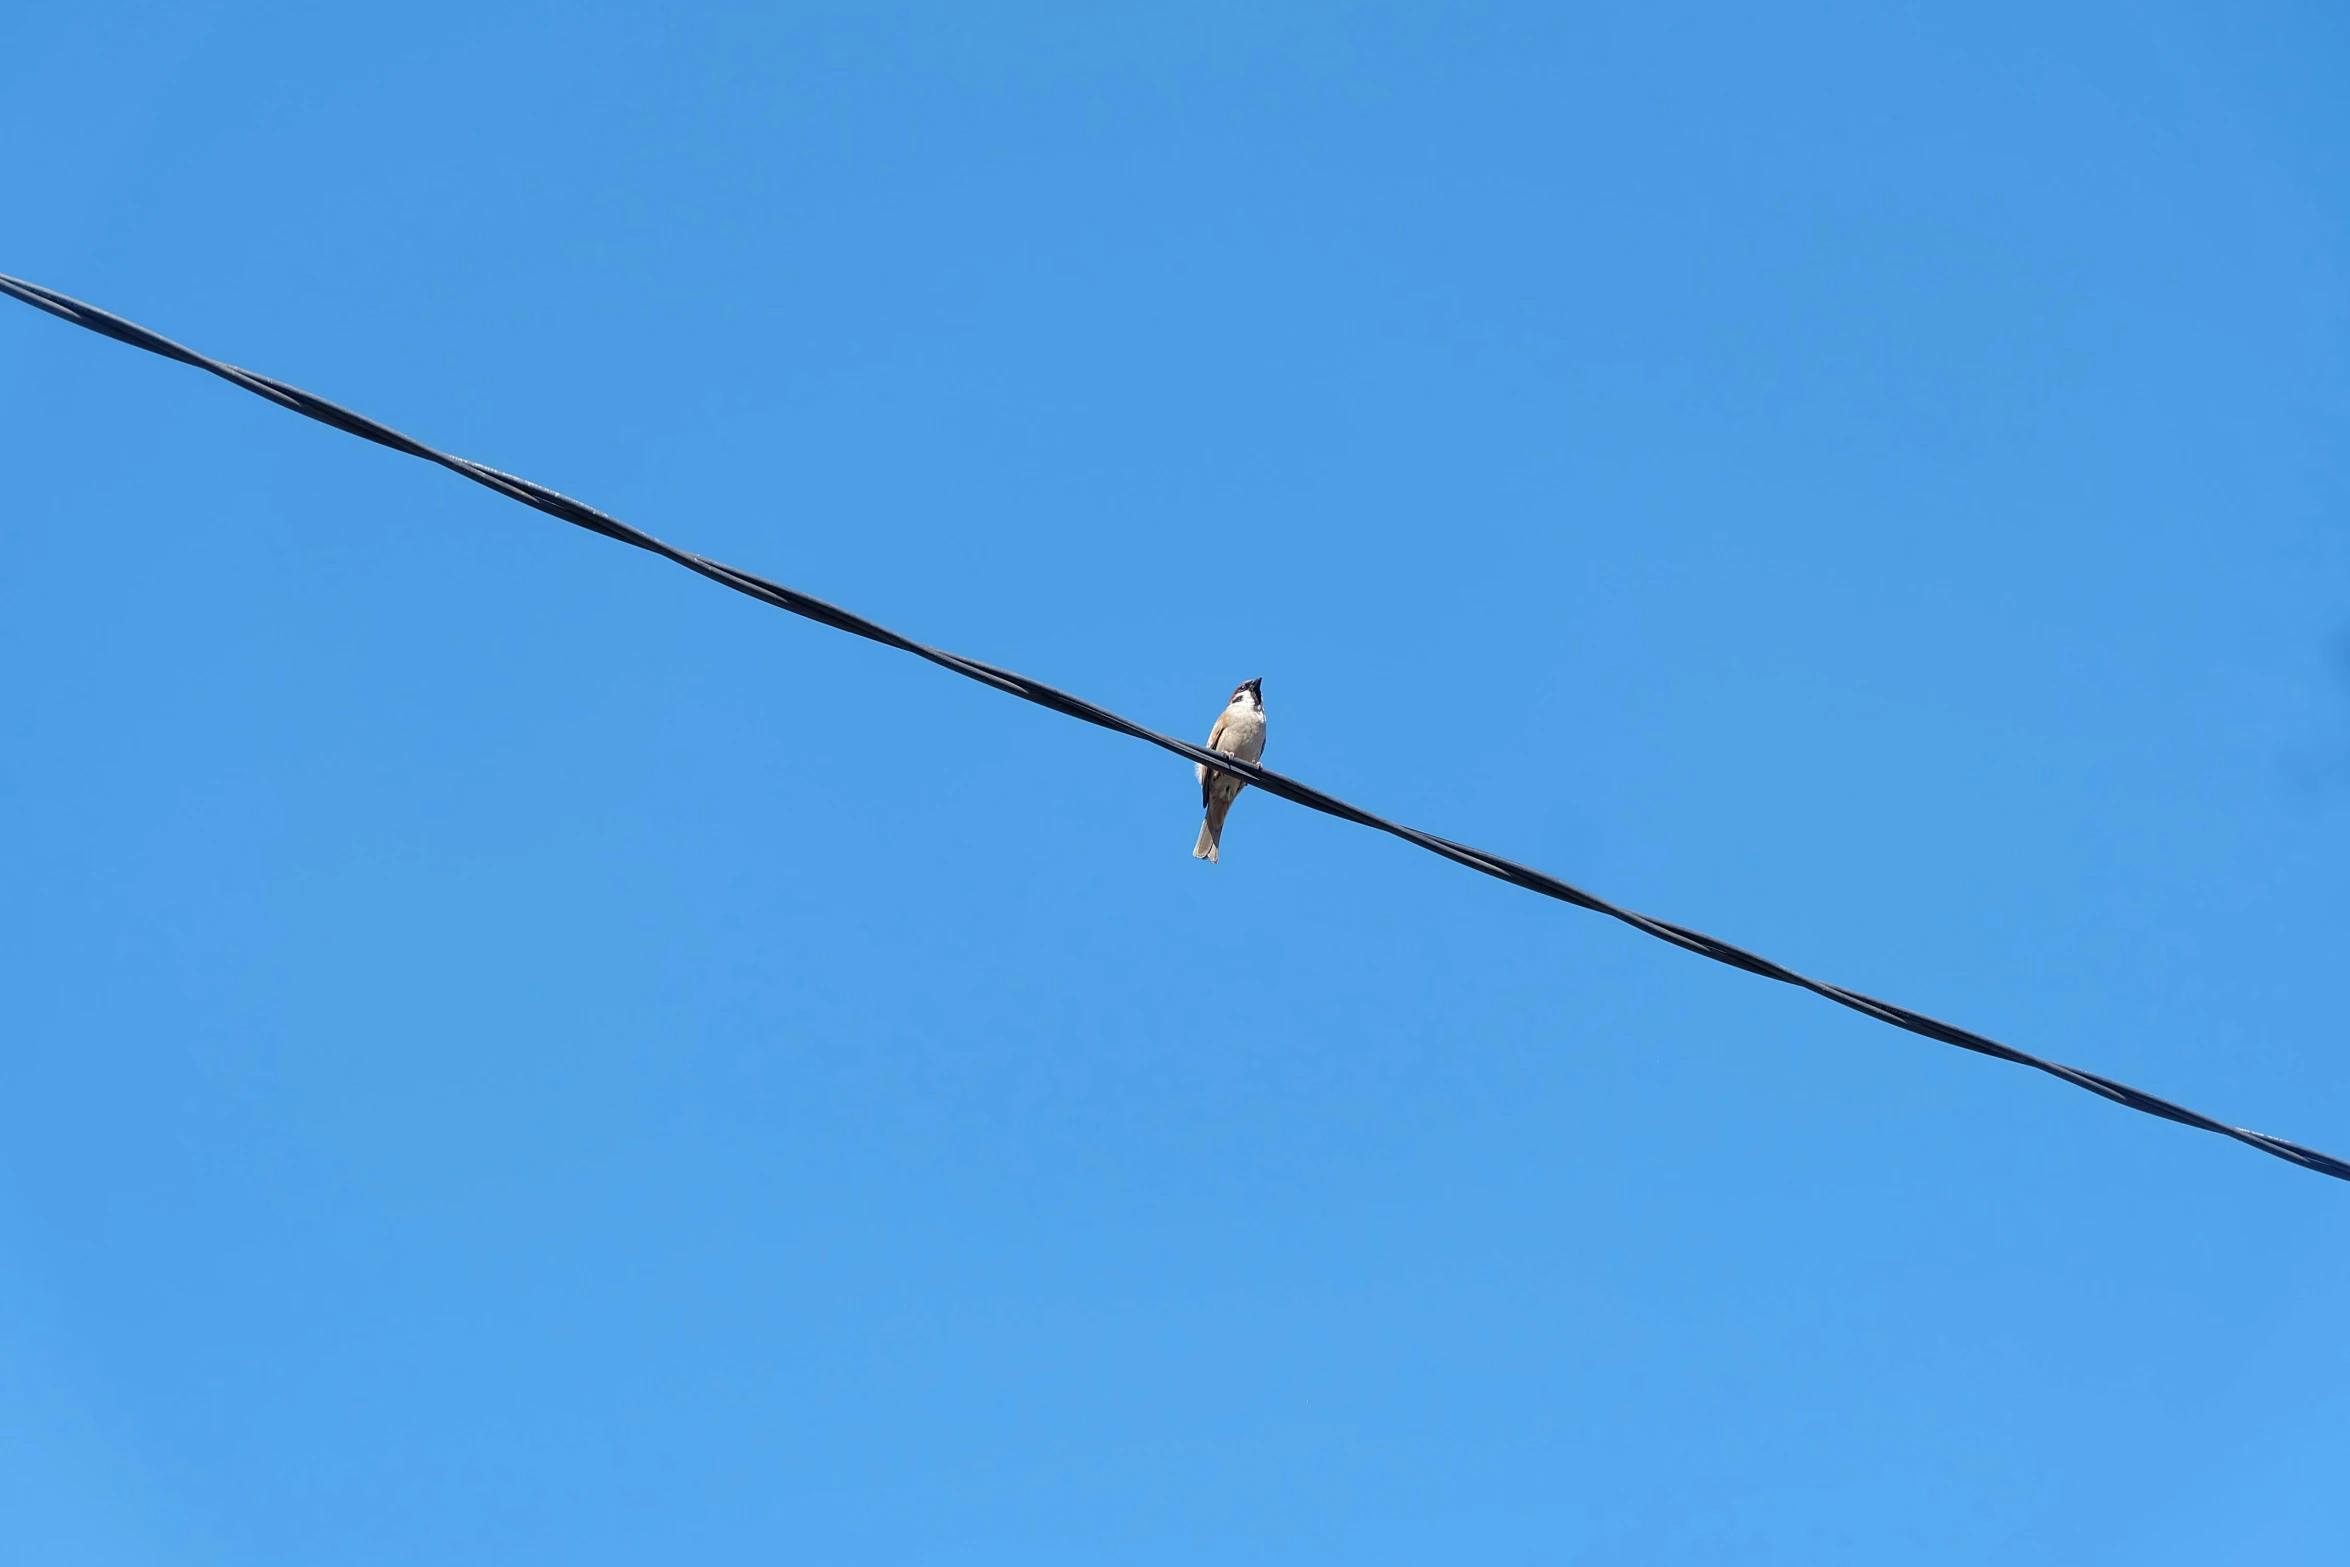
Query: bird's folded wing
(1206, 778)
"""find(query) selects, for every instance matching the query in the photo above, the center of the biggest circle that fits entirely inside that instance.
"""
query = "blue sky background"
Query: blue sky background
(514, 1054)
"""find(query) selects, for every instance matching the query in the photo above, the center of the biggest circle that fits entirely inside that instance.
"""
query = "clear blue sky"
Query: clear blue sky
(515, 1054)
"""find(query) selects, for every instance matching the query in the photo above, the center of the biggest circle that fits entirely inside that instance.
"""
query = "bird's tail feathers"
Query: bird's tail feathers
(1211, 831)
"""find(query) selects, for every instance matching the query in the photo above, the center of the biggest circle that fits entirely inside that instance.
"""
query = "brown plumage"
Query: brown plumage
(1239, 731)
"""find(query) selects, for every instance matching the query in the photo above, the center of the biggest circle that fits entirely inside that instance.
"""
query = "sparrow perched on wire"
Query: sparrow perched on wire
(1239, 731)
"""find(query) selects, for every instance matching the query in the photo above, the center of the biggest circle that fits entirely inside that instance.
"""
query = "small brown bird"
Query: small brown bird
(1239, 731)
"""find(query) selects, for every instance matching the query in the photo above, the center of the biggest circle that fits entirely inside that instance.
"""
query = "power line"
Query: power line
(539, 497)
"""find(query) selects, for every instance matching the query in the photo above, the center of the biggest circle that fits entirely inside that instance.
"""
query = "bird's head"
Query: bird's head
(1253, 690)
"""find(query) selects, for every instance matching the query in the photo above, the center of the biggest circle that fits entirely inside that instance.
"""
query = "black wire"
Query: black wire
(775, 593)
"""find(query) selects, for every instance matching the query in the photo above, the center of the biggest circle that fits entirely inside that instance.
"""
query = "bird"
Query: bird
(1239, 731)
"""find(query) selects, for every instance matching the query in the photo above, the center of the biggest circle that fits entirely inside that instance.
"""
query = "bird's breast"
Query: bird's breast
(1244, 734)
